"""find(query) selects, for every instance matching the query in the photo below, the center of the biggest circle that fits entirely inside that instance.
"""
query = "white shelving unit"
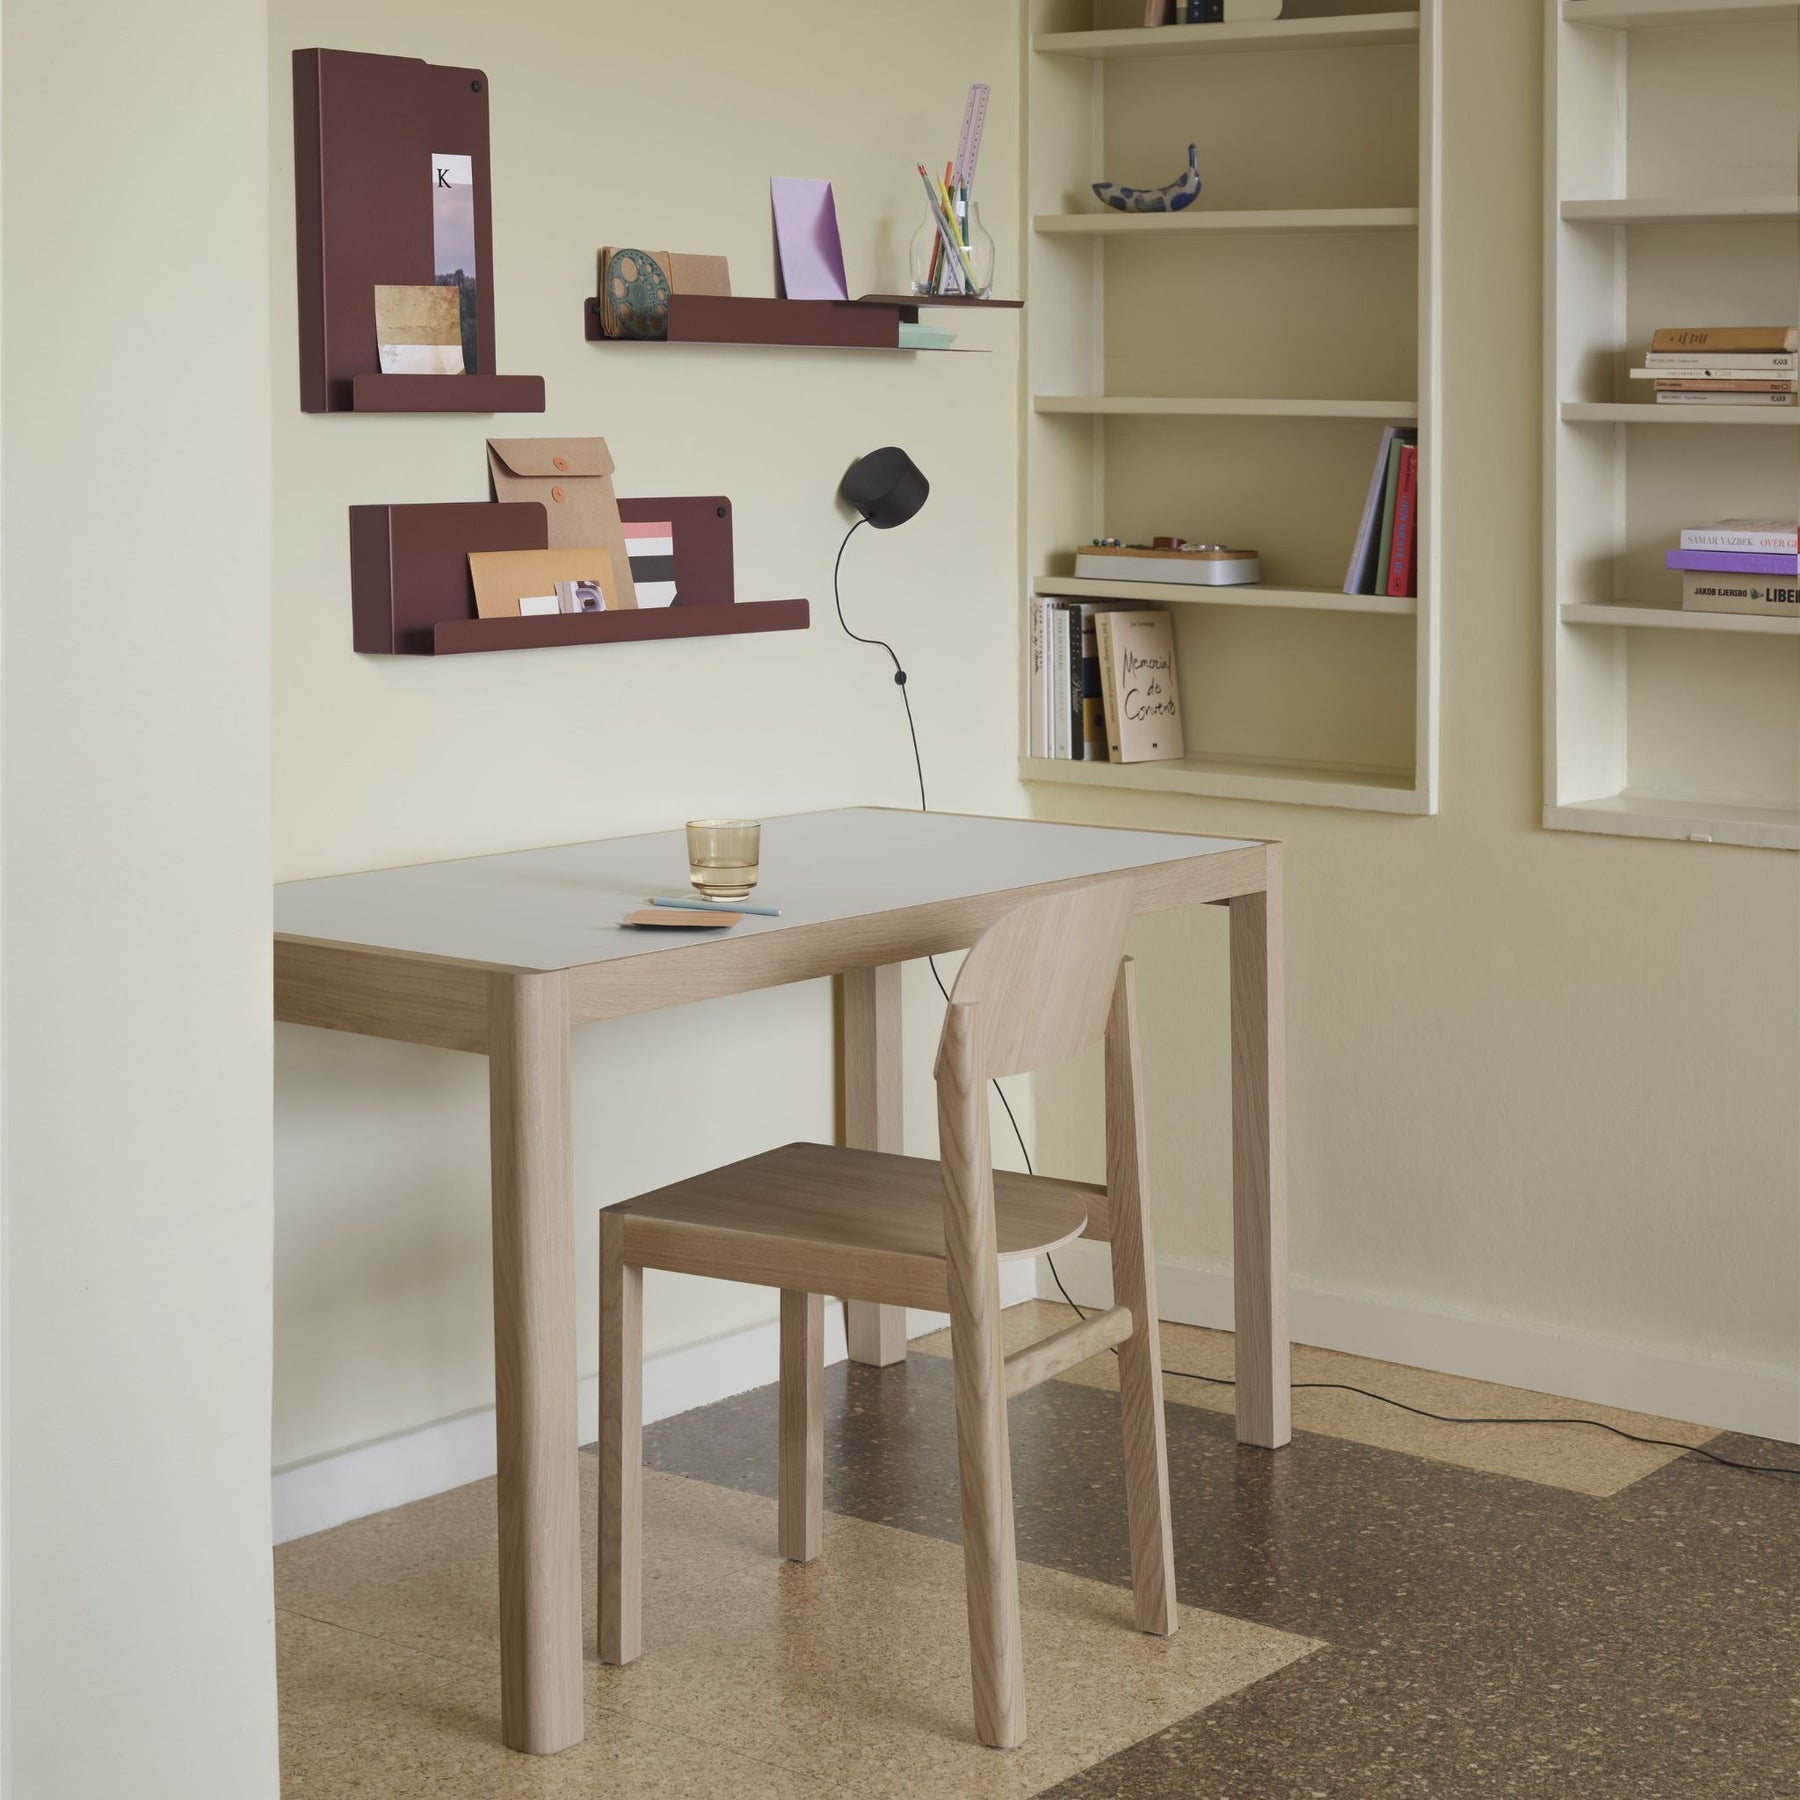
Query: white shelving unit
(1670, 200)
(1225, 373)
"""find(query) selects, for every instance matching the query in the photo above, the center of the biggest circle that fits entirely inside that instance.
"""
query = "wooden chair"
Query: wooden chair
(1042, 983)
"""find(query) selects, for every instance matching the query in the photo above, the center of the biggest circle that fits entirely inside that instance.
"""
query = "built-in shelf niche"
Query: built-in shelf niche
(1671, 200)
(1226, 372)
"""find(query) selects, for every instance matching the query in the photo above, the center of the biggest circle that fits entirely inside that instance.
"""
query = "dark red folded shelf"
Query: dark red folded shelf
(411, 593)
(750, 319)
(456, 637)
(378, 393)
(909, 304)
(365, 130)
(870, 323)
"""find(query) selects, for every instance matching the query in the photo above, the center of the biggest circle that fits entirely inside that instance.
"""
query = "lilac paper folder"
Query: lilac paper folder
(1738, 562)
(806, 237)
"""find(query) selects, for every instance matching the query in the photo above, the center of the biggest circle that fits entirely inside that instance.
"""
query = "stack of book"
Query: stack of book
(1740, 566)
(1101, 680)
(1722, 365)
(1211, 12)
(1385, 556)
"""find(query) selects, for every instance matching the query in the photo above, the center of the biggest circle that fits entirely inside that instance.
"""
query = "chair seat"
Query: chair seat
(855, 1223)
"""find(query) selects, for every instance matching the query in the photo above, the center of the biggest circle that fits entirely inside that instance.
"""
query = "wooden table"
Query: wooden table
(503, 954)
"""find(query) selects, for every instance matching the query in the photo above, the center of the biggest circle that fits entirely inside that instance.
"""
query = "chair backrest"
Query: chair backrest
(1041, 977)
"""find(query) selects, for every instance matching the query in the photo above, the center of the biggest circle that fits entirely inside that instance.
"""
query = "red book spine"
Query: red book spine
(1406, 511)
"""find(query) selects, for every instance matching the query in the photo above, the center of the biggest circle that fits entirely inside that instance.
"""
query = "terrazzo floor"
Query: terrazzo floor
(1387, 1608)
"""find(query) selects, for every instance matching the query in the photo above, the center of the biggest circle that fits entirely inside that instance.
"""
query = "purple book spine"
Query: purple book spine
(1741, 562)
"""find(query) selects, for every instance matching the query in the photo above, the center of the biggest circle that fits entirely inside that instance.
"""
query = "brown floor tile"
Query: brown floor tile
(1486, 1636)
(1581, 1460)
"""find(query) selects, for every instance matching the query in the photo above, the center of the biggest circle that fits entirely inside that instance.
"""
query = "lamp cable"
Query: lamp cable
(1342, 1387)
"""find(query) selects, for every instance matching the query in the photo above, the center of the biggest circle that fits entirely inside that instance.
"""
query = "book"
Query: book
(1718, 399)
(1740, 594)
(1769, 535)
(1682, 384)
(1727, 337)
(1035, 744)
(1390, 495)
(1071, 696)
(1064, 699)
(1720, 362)
(1109, 691)
(1360, 576)
(1093, 716)
(1147, 699)
(1406, 513)
(1734, 562)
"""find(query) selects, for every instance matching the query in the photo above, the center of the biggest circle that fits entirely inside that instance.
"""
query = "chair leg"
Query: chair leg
(990, 1561)
(621, 1448)
(1146, 1460)
(1140, 1355)
(801, 1485)
(978, 1372)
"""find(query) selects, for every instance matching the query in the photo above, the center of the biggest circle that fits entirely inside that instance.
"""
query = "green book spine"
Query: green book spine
(1390, 493)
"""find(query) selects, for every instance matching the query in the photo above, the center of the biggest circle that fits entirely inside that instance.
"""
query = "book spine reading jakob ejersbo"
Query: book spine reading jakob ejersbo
(1093, 714)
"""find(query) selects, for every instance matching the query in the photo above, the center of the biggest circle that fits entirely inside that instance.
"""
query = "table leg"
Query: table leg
(1259, 1165)
(534, 1363)
(877, 1334)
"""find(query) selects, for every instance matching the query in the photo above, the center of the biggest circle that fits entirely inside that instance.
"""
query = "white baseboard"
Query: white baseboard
(412, 1465)
(1601, 1371)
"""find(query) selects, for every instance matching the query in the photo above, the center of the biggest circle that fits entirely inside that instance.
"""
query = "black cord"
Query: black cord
(919, 770)
(1344, 1387)
(1219, 1380)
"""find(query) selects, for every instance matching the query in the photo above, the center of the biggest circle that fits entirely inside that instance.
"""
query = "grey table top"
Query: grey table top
(562, 907)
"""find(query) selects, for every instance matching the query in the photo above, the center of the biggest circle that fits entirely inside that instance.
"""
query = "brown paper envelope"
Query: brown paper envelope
(503, 576)
(572, 477)
(699, 274)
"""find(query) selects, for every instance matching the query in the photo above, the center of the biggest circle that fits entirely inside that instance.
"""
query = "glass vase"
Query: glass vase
(931, 265)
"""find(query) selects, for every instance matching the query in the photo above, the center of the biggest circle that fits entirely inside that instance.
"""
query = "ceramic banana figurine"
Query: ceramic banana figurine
(1154, 200)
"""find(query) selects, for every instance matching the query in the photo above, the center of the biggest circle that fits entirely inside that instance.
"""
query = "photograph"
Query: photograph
(580, 596)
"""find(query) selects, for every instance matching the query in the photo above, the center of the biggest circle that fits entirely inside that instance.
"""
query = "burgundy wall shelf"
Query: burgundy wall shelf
(458, 636)
(378, 393)
(909, 304)
(746, 319)
(411, 594)
(871, 323)
(365, 130)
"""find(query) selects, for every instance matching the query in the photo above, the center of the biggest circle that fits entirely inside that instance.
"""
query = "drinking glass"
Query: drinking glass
(722, 856)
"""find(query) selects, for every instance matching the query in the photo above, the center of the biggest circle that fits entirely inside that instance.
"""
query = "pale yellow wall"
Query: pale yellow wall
(1537, 1076)
(136, 805)
(656, 125)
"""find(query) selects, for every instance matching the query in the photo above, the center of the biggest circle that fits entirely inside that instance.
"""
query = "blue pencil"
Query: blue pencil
(737, 906)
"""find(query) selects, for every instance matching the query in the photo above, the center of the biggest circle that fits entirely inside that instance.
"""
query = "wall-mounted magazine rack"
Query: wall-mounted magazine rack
(366, 129)
(411, 593)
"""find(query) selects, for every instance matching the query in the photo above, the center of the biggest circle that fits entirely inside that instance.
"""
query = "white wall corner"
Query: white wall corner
(1601, 1371)
(413, 1465)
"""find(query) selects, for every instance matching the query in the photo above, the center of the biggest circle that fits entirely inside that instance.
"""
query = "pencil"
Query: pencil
(736, 906)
